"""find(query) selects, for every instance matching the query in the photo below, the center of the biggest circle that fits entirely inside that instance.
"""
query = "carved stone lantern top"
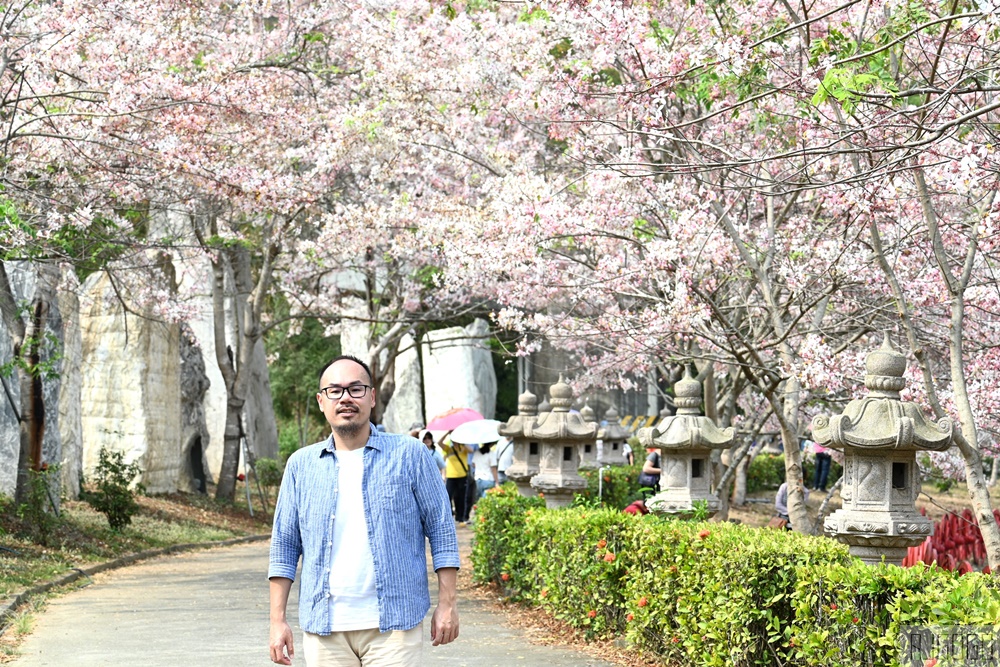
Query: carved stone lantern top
(688, 429)
(613, 430)
(881, 420)
(560, 423)
(527, 410)
(588, 414)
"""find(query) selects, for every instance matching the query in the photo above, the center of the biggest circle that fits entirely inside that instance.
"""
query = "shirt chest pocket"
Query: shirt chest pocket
(396, 498)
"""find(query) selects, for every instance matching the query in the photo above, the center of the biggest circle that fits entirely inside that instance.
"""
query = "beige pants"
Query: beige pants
(365, 648)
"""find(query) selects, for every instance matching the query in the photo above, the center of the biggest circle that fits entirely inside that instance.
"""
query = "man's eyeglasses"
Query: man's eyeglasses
(334, 392)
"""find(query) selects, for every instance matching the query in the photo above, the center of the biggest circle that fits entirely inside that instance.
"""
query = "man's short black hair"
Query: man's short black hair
(349, 357)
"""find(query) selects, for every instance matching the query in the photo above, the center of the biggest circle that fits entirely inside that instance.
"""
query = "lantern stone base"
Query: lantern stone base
(523, 481)
(559, 490)
(681, 503)
(524, 487)
(870, 534)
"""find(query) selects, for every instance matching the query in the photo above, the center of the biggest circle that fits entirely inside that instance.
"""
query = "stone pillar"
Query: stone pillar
(562, 434)
(458, 370)
(685, 441)
(526, 451)
(130, 387)
(880, 436)
(588, 450)
(612, 437)
(406, 406)
(70, 418)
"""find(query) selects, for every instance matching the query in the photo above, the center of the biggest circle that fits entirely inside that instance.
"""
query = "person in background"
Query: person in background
(636, 507)
(823, 459)
(457, 476)
(438, 459)
(627, 453)
(484, 467)
(505, 458)
(781, 503)
(650, 475)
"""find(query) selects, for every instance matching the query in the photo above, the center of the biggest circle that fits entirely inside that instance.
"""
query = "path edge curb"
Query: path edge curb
(8, 610)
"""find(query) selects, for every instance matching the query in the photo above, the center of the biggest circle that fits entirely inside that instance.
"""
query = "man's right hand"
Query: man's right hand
(281, 638)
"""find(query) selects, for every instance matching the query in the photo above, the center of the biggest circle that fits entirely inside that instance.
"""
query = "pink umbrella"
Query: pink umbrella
(453, 418)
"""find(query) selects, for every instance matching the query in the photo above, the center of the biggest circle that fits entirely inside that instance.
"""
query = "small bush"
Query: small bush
(500, 551)
(40, 514)
(288, 441)
(269, 472)
(620, 484)
(765, 473)
(113, 494)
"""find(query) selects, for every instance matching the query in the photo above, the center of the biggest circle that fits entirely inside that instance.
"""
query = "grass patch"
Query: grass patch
(21, 625)
(83, 538)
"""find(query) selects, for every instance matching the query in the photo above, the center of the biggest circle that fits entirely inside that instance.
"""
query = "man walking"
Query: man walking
(357, 509)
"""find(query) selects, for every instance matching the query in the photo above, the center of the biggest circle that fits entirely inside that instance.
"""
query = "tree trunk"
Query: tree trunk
(798, 511)
(226, 490)
(740, 488)
(28, 337)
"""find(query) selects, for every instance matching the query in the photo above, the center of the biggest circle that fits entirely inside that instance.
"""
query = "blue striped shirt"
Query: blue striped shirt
(405, 501)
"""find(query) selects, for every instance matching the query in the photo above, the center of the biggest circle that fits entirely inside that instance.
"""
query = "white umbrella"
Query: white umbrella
(476, 432)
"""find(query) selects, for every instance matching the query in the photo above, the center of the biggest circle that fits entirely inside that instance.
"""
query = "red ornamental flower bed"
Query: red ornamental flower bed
(956, 544)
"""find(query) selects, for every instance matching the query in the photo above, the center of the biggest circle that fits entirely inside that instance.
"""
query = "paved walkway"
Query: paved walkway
(211, 608)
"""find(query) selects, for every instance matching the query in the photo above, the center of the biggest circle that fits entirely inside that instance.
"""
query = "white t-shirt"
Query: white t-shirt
(483, 462)
(505, 454)
(353, 599)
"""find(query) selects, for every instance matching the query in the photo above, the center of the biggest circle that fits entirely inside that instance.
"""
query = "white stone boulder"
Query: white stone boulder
(130, 391)
(406, 406)
(458, 370)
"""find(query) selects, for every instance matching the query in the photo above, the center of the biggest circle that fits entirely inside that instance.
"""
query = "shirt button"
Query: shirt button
(330, 543)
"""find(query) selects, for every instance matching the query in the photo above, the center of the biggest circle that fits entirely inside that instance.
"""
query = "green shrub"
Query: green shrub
(288, 440)
(765, 473)
(851, 615)
(500, 552)
(716, 594)
(269, 472)
(620, 484)
(113, 494)
(40, 514)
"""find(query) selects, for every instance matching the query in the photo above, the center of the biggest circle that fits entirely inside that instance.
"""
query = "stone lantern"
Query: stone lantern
(685, 440)
(526, 450)
(562, 434)
(612, 436)
(588, 451)
(880, 436)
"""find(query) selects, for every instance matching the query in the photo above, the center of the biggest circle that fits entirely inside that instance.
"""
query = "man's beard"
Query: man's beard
(349, 429)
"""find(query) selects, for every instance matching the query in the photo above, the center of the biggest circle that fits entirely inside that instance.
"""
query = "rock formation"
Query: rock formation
(130, 391)
(458, 370)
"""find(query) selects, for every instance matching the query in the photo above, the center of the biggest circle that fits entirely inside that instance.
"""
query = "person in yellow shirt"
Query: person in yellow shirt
(456, 470)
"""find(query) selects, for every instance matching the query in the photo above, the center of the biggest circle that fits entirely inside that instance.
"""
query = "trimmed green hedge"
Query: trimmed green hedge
(714, 593)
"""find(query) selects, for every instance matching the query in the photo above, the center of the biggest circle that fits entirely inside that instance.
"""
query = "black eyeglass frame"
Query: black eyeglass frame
(348, 389)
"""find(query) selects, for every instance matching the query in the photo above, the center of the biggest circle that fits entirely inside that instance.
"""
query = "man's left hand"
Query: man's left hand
(444, 625)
